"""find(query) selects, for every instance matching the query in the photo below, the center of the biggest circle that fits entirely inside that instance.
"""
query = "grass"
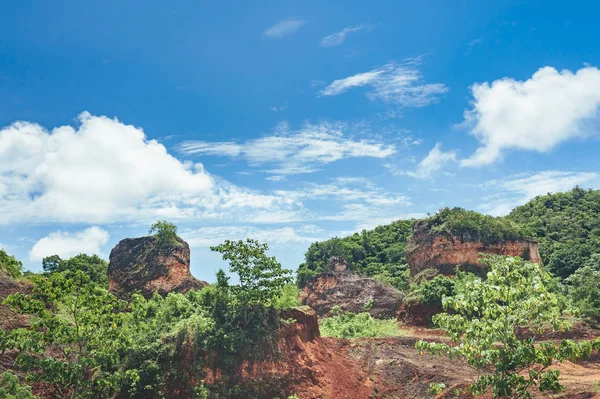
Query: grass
(358, 325)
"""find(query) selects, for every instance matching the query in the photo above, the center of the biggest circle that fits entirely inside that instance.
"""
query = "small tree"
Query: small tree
(81, 320)
(484, 323)
(261, 277)
(165, 232)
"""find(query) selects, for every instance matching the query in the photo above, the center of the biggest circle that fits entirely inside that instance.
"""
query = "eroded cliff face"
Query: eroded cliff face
(442, 251)
(142, 264)
(350, 292)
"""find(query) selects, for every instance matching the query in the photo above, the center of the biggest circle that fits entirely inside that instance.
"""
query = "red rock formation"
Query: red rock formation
(142, 264)
(444, 252)
(350, 292)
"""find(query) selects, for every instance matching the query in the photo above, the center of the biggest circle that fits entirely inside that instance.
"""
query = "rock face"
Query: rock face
(142, 264)
(350, 292)
(444, 252)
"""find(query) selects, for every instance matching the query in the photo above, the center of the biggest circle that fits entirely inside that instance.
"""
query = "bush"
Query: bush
(10, 264)
(357, 325)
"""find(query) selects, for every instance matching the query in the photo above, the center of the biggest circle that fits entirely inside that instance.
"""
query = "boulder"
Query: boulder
(351, 292)
(146, 265)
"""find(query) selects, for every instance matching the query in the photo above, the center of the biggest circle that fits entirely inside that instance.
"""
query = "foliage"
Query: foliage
(11, 387)
(83, 322)
(261, 277)
(376, 253)
(567, 226)
(288, 297)
(432, 292)
(165, 233)
(357, 325)
(473, 226)
(92, 265)
(10, 264)
(484, 320)
(583, 289)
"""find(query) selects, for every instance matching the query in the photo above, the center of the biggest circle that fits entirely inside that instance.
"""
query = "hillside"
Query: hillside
(567, 226)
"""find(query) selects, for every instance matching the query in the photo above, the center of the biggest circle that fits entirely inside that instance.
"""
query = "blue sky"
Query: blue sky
(286, 121)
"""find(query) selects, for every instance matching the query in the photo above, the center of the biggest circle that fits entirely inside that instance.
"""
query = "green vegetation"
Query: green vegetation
(357, 325)
(92, 266)
(473, 226)
(378, 253)
(10, 265)
(583, 289)
(483, 319)
(11, 387)
(165, 233)
(86, 343)
(566, 225)
(432, 292)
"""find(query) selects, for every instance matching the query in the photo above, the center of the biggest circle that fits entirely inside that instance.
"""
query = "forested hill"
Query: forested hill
(567, 226)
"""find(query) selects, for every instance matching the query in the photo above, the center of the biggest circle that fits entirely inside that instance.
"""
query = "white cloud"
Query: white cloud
(289, 152)
(519, 190)
(339, 37)
(535, 115)
(67, 245)
(105, 171)
(434, 161)
(284, 28)
(394, 83)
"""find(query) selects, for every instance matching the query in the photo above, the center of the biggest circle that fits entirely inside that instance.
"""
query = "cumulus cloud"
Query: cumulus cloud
(339, 37)
(535, 115)
(106, 171)
(67, 245)
(517, 191)
(399, 84)
(284, 28)
(434, 161)
(290, 151)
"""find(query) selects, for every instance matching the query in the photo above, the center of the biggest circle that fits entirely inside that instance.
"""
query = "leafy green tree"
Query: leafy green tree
(583, 289)
(165, 232)
(83, 322)
(10, 264)
(261, 277)
(11, 387)
(92, 265)
(484, 317)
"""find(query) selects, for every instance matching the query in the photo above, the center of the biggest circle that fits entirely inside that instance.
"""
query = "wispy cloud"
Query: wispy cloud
(520, 189)
(395, 83)
(536, 115)
(434, 161)
(284, 28)
(339, 37)
(473, 43)
(290, 151)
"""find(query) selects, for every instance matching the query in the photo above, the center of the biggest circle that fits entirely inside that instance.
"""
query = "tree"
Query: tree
(11, 387)
(165, 232)
(10, 264)
(583, 289)
(483, 319)
(83, 322)
(261, 277)
(92, 265)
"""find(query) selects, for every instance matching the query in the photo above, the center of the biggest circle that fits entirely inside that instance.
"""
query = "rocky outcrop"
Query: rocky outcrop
(351, 292)
(144, 265)
(443, 251)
